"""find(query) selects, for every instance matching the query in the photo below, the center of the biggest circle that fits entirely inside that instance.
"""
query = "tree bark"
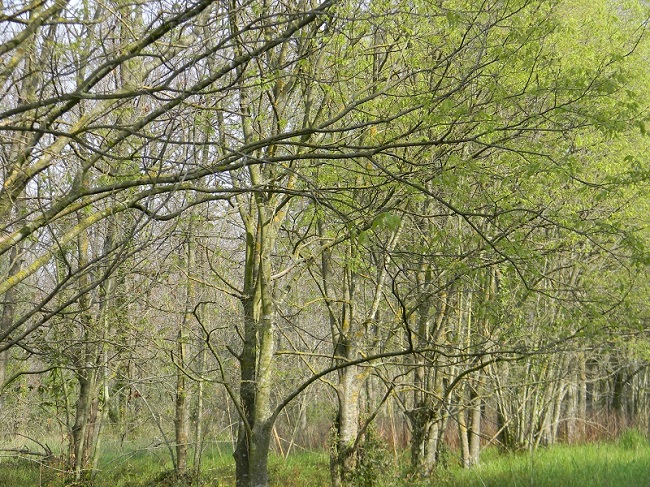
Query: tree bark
(9, 309)
(182, 405)
(474, 432)
(81, 430)
(463, 434)
(343, 460)
(183, 395)
(256, 357)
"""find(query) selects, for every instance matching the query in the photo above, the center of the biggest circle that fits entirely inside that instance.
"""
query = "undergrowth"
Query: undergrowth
(623, 462)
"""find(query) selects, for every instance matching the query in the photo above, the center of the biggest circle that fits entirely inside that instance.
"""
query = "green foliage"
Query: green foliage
(633, 440)
(375, 466)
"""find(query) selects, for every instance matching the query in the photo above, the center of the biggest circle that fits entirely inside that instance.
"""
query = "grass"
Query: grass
(625, 462)
(597, 465)
(144, 467)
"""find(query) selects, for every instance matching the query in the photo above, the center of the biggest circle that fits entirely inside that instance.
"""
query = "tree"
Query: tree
(455, 154)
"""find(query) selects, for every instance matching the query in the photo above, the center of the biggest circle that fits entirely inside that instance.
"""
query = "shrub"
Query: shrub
(374, 462)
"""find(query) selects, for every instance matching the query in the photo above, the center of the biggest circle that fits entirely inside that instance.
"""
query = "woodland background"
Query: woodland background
(358, 226)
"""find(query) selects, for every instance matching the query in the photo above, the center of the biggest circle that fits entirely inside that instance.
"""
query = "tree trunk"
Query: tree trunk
(259, 454)
(618, 402)
(256, 358)
(421, 418)
(182, 409)
(463, 434)
(198, 412)
(343, 459)
(427, 417)
(83, 430)
(182, 405)
(9, 307)
(247, 360)
(474, 432)
(86, 363)
(350, 379)
(254, 433)
(436, 438)
(572, 408)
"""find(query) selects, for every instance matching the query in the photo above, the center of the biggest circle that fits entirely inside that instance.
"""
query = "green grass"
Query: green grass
(144, 467)
(598, 465)
(624, 463)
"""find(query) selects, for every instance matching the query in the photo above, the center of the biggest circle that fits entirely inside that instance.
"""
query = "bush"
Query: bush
(374, 463)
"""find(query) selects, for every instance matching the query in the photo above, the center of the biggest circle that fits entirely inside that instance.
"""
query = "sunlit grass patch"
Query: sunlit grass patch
(603, 464)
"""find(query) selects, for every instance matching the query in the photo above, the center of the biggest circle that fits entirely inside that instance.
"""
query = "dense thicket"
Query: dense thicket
(259, 221)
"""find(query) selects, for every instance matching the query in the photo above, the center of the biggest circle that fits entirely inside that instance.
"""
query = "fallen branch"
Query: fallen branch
(46, 453)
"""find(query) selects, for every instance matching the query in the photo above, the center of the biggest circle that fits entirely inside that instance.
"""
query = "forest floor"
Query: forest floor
(625, 462)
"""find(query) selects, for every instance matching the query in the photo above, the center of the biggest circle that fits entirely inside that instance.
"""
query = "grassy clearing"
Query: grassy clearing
(598, 465)
(626, 462)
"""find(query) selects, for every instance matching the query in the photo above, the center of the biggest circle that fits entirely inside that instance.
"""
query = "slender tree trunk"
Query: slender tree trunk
(427, 416)
(9, 308)
(464, 439)
(618, 402)
(504, 416)
(86, 370)
(474, 432)
(182, 416)
(198, 412)
(101, 411)
(583, 399)
(572, 407)
(557, 412)
(436, 439)
(182, 405)
(346, 424)
(91, 361)
(12, 210)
